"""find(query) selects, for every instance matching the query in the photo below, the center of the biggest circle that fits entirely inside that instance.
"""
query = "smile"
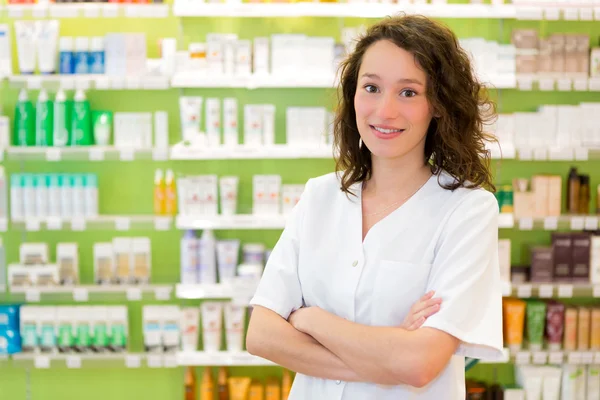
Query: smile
(385, 133)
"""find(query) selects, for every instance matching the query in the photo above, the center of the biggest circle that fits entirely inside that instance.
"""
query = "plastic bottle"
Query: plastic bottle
(207, 388)
(189, 258)
(573, 183)
(190, 384)
(24, 130)
(43, 120)
(170, 193)
(78, 193)
(17, 208)
(584, 194)
(41, 195)
(96, 55)
(159, 192)
(29, 196)
(61, 119)
(54, 195)
(66, 198)
(207, 257)
(91, 195)
(81, 121)
(222, 386)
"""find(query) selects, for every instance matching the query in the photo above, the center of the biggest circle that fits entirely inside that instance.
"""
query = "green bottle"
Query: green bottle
(62, 119)
(81, 121)
(24, 121)
(43, 120)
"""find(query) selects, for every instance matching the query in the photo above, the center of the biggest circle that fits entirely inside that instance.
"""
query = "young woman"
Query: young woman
(405, 214)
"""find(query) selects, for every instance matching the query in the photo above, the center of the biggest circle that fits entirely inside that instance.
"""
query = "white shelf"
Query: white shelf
(247, 221)
(103, 222)
(564, 222)
(85, 153)
(85, 82)
(203, 291)
(196, 80)
(551, 290)
(544, 357)
(81, 360)
(181, 152)
(220, 358)
(88, 10)
(81, 293)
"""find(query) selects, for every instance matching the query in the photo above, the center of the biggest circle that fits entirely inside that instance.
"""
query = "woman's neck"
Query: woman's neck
(393, 177)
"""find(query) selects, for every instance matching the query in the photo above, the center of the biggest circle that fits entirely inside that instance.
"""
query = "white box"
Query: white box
(67, 260)
(230, 122)
(161, 129)
(5, 51)
(261, 59)
(213, 121)
(243, 58)
(268, 124)
(33, 253)
(260, 193)
(273, 186)
(136, 55)
(253, 125)
(115, 54)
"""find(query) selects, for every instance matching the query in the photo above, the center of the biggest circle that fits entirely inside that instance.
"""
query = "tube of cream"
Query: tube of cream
(229, 193)
(47, 45)
(536, 315)
(227, 259)
(213, 121)
(570, 337)
(583, 329)
(531, 380)
(239, 387)
(235, 320)
(230, 122)
(514, 317)
(191, 113)
(595, 329)
(190, 321)
(555, 316)
(25, 32)
(569, 382)
(552, 376)
(593, 382)
(212, 324)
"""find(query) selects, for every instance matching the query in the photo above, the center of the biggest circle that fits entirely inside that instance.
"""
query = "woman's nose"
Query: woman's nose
(387, 107)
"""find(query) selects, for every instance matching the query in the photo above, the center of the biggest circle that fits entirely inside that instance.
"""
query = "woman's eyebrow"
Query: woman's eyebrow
(401, 80)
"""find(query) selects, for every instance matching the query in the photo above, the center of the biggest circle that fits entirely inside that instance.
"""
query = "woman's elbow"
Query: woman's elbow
(419, 374)
(253, 341)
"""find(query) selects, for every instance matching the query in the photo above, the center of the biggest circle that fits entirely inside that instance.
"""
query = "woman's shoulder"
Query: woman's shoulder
(465, 196)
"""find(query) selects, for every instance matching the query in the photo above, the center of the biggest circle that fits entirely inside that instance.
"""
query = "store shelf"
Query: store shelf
(182, 152)
(83, 293)
(220, 358)
(85, 82)
(83, 360)
(563, 84)
(564, 222)
(88, 10)
(85, 153)
(551, 290)
(196, 80)
(103, 222)
(203, 291)
(555, 357)
(247, 221)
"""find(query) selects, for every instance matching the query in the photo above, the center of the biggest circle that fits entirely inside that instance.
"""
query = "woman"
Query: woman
(411, 217)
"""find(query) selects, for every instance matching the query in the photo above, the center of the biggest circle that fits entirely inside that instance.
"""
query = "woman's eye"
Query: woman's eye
(371, 88)
(408, 93)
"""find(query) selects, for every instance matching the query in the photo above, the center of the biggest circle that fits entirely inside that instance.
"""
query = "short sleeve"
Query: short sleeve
(279, 288)
(465, 275)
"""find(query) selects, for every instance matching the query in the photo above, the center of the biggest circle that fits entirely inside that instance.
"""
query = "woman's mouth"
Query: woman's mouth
(385, 132)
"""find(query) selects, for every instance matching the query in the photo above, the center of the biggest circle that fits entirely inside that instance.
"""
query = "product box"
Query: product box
(104, 263)
(161, 129)
(142, 264)
(544, 62)
(123, 259)
(135, 53)
(243, 58)
(33, 253)
(115, 52)
(67, 260)
(595, 259)
(19, 276)
(581, 245)
(557, 42)
(10, 341)
(230, 122)
(554, 195)
(118, 327)
(540, 188)
(9, 317)
(595, 62)
(541, 264)
(261, 60)
(563, 257)
(152, 331)
(46, 275)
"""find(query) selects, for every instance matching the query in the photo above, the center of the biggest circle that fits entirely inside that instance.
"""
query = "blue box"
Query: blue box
(9, 317)
(10, 341)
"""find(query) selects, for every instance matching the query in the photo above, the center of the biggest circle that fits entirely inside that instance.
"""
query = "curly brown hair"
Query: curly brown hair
(455, 140)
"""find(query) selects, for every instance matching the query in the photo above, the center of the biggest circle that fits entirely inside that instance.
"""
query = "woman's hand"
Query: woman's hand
(420, 311)
(300, 318)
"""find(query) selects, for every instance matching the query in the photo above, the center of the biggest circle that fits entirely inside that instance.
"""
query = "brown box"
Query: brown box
(563, 254)
(526, 64)
(542, 264)
(583, 60)
(554, 195)
(557, 42)
(582, 245)
(540, 187)
(523, 204)
(583, 43)
(525, 38)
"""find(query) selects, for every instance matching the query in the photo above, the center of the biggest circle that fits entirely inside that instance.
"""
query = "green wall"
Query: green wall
(126, 188)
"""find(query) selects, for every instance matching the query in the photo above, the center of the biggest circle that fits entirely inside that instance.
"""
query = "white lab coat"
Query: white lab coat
(438, 240)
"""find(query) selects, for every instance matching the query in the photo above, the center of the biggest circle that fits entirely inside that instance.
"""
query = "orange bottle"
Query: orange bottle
(159, 193)
(190, 384)
(222, 385)
(170, 193)
(273, 391)
(286, 385)
(207, 389)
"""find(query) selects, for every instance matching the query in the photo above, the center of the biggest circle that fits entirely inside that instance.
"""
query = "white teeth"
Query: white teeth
(387, 130)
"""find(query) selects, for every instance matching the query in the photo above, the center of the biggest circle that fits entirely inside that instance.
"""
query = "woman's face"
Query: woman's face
(392, 111)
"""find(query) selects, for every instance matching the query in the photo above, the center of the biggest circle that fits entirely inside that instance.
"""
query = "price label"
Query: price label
(83, 84)
(67, 83)
(596, 291)
(525, 84)
(170, 361)
(546, 84)
(586, 14)
(577, 223)
(132, 11)
(162, 293)
(556, 357)
(565, 291)
(66, 11)
(53, 154)
(110, 11)
(134, 294)
(162, 223)
(546, 291)
(160, 154)
(526, 224)
(551, 223)
(525, 154)
(3, 224)
(552, 14)
(96, 154)
(42, 362)
(78, 224)
(127, 154)
(524, 291)
(154, 361)
(540, 154)
(564, 85)
(122, 224)
(580, 84)
(117, 83)
(91, 11)
(581, 154)
(133, 361)
(133, 83)
(587, 357)
(15, 12)
(32, 225)
(32, 295)
(80, 294)
(571, 14)
(73, 362)
(34, 82)
(39, 12)
(529, 13)
(574, 358)
(597, 357)
(102, 82)
(540, 357)
(54, 224)
(523, 357)
(591, 223)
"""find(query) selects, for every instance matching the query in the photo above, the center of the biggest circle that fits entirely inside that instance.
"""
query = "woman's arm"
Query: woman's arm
(385, 355)
(270, 336)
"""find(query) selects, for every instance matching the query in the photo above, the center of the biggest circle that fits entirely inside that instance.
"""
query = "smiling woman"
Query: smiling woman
(386, 276)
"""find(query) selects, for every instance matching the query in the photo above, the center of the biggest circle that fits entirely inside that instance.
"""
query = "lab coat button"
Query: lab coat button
(338, 382)
(355, 263)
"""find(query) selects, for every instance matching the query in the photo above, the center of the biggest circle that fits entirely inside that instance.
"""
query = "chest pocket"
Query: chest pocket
(398, 285)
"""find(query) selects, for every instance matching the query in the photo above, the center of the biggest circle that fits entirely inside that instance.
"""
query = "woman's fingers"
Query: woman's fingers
(425, 304)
